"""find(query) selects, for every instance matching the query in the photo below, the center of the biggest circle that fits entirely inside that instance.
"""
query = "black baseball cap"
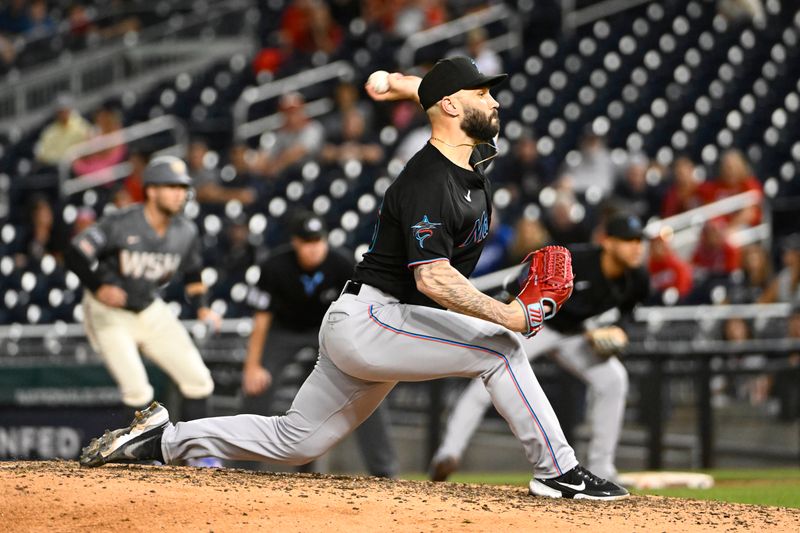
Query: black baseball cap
(624, 226)
(451, 75)
(307, 226)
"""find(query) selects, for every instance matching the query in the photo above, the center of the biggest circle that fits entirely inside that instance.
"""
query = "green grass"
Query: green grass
(778, 487)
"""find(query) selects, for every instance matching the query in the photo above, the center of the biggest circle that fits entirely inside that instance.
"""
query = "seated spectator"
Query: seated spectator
(68, 129)
(670, 276)
(529, 234)
(133, 183)
(785, 287)
(633, 192)
(308, 27)
(735, 177)
(685, 191)
(15, 18)
(594, 169)
(521, 168)
(298, 139)
(107, 126)
(41, 24)
(565, 220)
(41, 235)
(477, 47)
(208, 183)
(346, 98)
(353, 143)
(747, 284)
(715, 256)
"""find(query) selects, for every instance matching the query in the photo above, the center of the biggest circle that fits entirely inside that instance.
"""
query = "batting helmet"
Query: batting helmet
(166, 170)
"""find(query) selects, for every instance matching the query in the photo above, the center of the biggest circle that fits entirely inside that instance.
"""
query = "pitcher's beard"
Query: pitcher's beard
(478, 126)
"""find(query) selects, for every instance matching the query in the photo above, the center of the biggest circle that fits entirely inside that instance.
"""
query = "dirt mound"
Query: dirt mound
(60, 496)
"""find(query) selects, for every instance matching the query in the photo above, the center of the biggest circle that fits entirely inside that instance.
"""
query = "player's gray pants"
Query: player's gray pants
(368, 343)
(607, 382)
(374, 443)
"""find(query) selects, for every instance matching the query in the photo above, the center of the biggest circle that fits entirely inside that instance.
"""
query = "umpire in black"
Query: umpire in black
(297, 284)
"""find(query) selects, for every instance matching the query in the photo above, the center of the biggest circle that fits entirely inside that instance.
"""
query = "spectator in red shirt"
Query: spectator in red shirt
(735, 177)
(686, 192)
(667, 270)
(308, 27)
(715, 256)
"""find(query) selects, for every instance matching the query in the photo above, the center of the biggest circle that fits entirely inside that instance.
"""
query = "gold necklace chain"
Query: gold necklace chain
(453, 145)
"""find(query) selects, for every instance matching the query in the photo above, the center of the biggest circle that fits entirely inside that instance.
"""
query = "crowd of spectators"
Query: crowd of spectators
(539, 199)
(35, 31)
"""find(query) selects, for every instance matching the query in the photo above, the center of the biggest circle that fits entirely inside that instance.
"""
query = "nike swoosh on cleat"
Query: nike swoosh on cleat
(573, 487)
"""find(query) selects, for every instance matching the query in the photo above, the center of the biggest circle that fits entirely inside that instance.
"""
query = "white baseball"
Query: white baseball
(379, 81)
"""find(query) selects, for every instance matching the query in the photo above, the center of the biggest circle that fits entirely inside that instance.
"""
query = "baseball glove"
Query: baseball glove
(546, 286)
(608, 341)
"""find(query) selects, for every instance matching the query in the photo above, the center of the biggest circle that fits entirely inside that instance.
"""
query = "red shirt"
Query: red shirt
(717, 190)
(722, 260)
(670, 271)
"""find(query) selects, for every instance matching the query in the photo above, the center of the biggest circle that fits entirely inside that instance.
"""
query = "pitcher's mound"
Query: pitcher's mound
(60, 496)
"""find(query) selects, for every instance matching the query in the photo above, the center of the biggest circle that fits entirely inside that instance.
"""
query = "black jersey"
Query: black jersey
(299, 299)
(132, 256)
(434, 211)
(594, 294)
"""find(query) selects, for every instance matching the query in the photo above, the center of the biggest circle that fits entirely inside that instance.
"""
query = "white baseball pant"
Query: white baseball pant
(607, 388)
(369, 342)
(118, 335)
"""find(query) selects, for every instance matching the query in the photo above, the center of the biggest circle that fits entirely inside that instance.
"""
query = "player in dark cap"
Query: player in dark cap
(298, 282)
(409, 313)
(607, 276)
(137, 251)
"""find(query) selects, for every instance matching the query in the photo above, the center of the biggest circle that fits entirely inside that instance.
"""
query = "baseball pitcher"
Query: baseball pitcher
(409, 314)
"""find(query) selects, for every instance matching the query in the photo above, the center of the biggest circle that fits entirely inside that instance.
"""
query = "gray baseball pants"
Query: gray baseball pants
(368, 343)
(607, 387)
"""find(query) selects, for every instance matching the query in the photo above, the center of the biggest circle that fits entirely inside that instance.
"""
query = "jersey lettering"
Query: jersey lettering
(152, 266)
(479, 231)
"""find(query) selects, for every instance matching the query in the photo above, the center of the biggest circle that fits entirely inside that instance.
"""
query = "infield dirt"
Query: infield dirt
(60, 496)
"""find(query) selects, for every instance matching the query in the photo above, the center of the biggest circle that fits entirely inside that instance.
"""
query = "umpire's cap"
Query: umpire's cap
(166, 170)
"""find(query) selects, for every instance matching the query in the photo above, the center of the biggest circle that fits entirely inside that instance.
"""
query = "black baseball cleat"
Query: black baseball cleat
(139, 442)
(578, 483)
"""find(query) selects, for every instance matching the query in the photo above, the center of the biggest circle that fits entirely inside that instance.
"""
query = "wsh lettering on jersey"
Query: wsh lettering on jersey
(479, 231)
(154, 266)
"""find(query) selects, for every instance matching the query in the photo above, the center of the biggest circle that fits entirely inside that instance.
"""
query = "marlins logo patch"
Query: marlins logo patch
(424, 229)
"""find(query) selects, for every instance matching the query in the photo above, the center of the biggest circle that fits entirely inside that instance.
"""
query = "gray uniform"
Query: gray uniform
(372, 337)
(130, 255)
(133, 257)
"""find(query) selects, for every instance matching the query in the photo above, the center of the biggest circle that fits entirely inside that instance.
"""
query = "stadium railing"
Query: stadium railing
(245, 129)
(444, 33)
(95, 75)
(125, 136)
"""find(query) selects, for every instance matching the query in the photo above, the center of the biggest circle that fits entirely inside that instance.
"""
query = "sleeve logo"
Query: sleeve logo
(424, 229)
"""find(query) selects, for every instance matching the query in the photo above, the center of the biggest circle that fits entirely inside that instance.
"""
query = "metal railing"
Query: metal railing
(122, 137)
(406, 55)
(686, 226)
(581, 17)
(95, 75)
(273, 89)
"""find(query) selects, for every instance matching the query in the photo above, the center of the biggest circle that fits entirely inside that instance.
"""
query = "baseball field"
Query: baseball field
(59, 496)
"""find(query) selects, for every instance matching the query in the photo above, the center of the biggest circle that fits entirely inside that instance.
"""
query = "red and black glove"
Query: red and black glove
(548, 281)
